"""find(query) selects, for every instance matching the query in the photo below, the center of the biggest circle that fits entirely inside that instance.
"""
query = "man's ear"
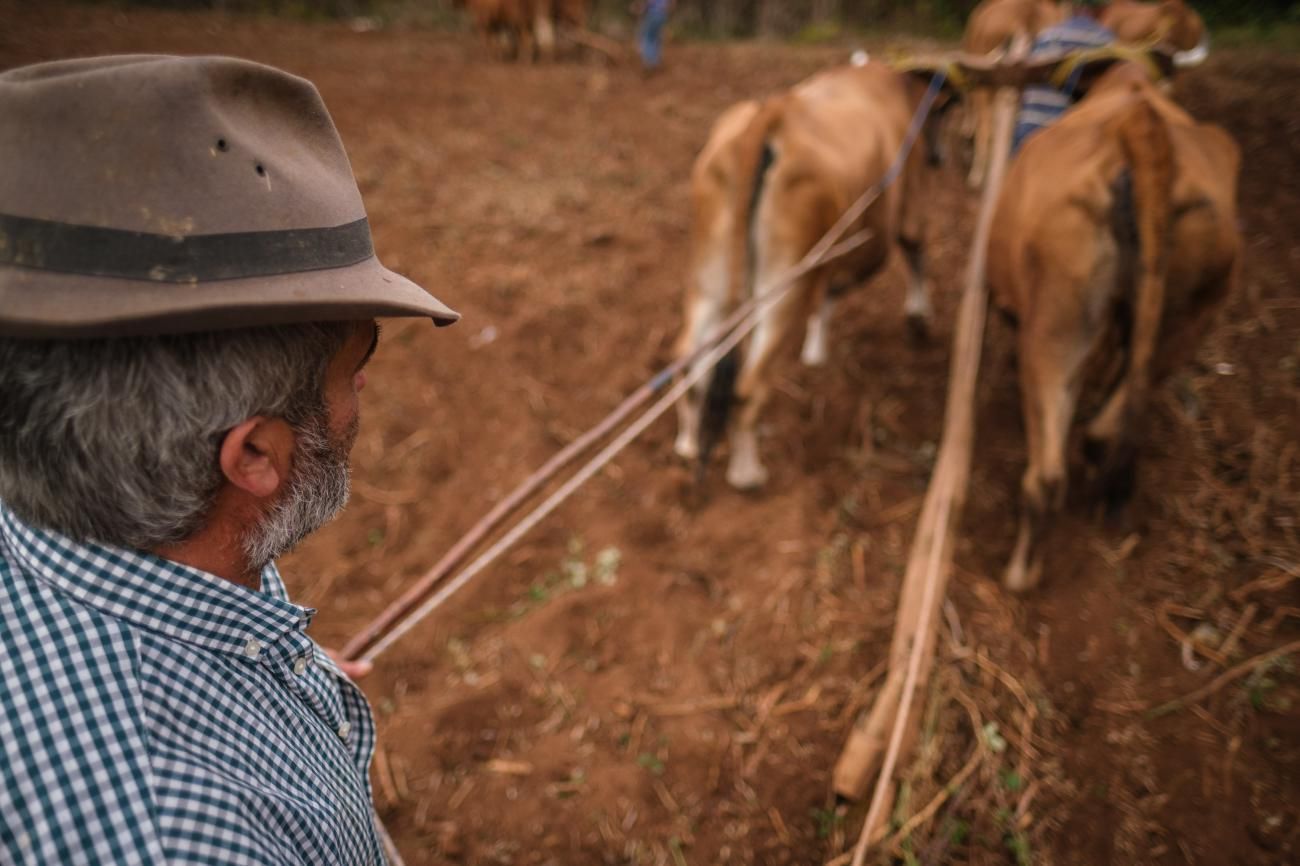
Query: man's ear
(256, 456)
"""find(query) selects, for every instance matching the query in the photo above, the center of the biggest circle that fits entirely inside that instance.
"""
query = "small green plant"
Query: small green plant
(958, 831)
(827, 820)
(1018, 845)
(1261, 686)
(651, 762)
(675, 847)
(1011, 780)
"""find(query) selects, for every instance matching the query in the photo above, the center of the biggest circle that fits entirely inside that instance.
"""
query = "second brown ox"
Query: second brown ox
(771, 181)
(1117, 226)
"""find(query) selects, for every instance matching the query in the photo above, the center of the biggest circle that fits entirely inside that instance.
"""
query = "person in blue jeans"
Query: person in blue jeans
(654, 15)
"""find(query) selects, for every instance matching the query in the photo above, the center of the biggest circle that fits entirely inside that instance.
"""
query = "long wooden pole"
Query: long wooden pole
(889, 730)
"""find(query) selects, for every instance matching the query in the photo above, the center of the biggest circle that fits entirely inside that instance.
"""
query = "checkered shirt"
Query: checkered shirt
(1042, 105)
(152, 713)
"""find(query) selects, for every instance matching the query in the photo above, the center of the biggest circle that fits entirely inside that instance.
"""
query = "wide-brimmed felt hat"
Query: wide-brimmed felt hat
(152, 195)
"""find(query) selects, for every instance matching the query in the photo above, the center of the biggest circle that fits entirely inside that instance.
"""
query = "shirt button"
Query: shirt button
(253, 648)
(300, 666)
(345, 729)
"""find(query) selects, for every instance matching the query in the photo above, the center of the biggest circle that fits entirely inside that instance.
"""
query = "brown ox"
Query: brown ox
(526, 26)
(1170, 21)
(770, 182)
(993, 25)
(1116, 227)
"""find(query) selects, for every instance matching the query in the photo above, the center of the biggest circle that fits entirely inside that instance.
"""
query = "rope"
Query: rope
(583, 475)
(407, 612)
(1071, 66)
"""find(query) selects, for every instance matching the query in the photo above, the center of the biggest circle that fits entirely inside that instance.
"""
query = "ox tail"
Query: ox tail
(1148, 151)
(754, 158)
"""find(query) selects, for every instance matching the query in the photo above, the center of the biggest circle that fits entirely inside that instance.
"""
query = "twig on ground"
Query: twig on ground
(958, 640)
(1271, 624)
(1243, 622)
(690, 708)
(953, 785)
(1181, 637)
(384, 773)
(940, 842)
(860, 694)
(370, 493)
(1266, 583)
(778, 824)
(1204, 691)
(1027, 749)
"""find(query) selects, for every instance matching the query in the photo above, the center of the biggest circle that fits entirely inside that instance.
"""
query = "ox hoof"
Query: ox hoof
(746, 478)
(918, 327)
(687, 448)
(1095, 449)
(1021, 576)
(813, 357)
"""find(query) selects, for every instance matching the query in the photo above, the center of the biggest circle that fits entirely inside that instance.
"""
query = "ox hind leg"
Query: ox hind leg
(704, 312)
(1109, 439)
(917, 308)
(828, 285)
(816, 342)
(783, 229)
(1056, 338)
(910, 238)
(544, 28)
(745, 471)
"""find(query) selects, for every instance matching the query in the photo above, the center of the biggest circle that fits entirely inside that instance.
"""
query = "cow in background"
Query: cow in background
(1117, 226)
(993, 26)
(525, 27)
(771, 181)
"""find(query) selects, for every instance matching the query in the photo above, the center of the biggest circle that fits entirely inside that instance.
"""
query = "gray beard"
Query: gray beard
(319, 485)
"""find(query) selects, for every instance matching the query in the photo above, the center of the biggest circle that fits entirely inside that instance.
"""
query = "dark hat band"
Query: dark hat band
(103, 252)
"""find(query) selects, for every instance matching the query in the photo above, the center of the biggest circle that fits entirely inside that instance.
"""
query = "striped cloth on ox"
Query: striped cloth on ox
(152, 713)
(1042, 105)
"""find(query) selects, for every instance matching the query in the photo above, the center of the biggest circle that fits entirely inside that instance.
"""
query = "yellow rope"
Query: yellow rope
(1131, 53)
(959, 78)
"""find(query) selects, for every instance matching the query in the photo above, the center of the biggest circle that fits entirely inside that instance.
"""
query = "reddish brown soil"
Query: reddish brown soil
(686, 705)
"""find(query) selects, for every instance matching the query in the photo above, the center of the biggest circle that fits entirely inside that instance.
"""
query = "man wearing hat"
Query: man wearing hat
(187, 299)
(1042, 104)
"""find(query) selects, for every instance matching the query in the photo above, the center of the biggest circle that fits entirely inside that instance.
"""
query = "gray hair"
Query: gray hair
(116, 440)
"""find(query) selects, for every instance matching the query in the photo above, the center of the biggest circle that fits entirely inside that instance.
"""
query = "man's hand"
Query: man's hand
(354, 670)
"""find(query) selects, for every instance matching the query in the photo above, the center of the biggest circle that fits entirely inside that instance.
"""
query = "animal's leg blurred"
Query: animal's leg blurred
(1053, 348)
(746, 470)
(816, 343)
(703, 314)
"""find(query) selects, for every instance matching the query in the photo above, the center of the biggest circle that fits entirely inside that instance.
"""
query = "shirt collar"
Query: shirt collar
(153, 593)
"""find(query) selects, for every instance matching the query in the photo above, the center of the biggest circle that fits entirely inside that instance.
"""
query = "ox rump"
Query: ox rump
(1116, 227)
(772, 179)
